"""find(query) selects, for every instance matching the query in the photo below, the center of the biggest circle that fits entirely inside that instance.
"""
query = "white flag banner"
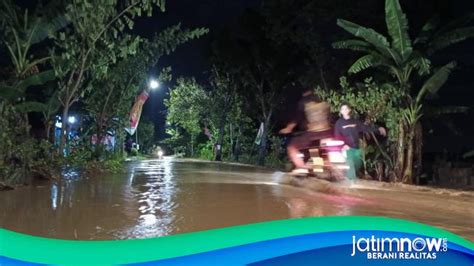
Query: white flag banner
(258, 139)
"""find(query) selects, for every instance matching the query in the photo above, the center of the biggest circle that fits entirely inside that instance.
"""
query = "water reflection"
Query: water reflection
(155, 189)
(162, 197)
(54, 196)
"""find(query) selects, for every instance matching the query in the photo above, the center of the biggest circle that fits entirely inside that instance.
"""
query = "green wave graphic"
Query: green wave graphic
(55, 251)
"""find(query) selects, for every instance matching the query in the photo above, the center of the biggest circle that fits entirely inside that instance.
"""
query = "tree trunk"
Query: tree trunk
(220, 139)
(399, 165)
(380, 170)
(47, 128)
(236, 150)
(231, 141)
(121, 139)
(408, 172)
(418, 151)
(27, 125)
(99, 135)
(64, 129)
(262, 151)
(321, 73)
(192, 145)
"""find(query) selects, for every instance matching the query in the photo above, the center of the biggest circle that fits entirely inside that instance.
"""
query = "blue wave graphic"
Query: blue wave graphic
(332, 248)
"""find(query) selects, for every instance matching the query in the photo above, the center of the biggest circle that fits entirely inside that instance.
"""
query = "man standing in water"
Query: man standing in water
(348, 129)
(313, 119)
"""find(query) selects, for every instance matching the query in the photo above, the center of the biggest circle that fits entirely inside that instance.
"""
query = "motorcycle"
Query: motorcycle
(326, 160)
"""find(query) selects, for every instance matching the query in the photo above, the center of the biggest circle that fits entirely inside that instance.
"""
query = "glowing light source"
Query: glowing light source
(71, 120)
(154, 84)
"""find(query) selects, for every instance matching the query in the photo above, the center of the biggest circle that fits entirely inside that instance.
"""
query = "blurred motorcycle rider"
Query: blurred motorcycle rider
(313, 119)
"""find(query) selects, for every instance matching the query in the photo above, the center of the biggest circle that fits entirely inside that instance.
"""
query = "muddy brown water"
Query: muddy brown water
(162, 197)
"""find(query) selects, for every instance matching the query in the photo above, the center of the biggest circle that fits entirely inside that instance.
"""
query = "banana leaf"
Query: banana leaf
(30, 106)
(367, 61)
(36, 79)
(436, 81)
(397, 25)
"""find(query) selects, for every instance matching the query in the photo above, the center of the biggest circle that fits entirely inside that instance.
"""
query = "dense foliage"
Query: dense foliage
(68, 54)
(281, 49)
(79, 57)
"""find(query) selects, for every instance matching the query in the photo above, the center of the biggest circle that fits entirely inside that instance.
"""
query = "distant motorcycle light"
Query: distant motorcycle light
(160, 153)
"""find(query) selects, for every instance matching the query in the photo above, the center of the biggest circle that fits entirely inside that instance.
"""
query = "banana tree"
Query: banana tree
(414, 112)
(400, 59)
(21, 31)
(396, 58)
(15, 95)
(434, 37)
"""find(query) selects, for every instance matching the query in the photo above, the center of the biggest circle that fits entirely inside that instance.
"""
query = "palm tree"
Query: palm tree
(401, 60)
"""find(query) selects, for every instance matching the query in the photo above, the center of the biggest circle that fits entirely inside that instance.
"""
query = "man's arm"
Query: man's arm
(289, 128)
(297, 119)
(370, 128)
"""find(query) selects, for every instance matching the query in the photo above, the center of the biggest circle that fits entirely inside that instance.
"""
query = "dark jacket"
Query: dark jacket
(349, 131)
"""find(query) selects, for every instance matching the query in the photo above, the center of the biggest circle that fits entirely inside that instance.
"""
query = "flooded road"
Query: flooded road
(162, 197)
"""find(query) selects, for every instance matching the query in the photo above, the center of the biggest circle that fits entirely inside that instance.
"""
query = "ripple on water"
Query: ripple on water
(162, 197)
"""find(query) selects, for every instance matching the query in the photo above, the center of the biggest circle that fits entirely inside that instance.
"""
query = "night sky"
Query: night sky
(191, 59)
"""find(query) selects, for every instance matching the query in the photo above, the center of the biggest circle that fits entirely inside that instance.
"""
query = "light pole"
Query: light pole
(152, 84)
(71, 120)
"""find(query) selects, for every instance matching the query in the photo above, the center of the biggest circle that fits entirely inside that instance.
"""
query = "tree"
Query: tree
(263, 69)
(123, 80)
(49, 111)
(21, 31)
(146, 134)
(306, 29)
(187, 107)
(435, 37)
(221, 99)
(375, 103)
(399, 59)
(93, 26)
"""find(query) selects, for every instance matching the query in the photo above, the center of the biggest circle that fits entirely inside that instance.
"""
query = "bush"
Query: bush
(134, 152)
(205, 151)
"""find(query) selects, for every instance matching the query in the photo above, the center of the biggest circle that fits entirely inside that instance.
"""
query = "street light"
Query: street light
(154, 84)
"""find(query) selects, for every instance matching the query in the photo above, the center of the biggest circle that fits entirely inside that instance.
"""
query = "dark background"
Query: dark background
(192, 59)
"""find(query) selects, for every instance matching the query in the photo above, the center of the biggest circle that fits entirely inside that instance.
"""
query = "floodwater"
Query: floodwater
(162, 197)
